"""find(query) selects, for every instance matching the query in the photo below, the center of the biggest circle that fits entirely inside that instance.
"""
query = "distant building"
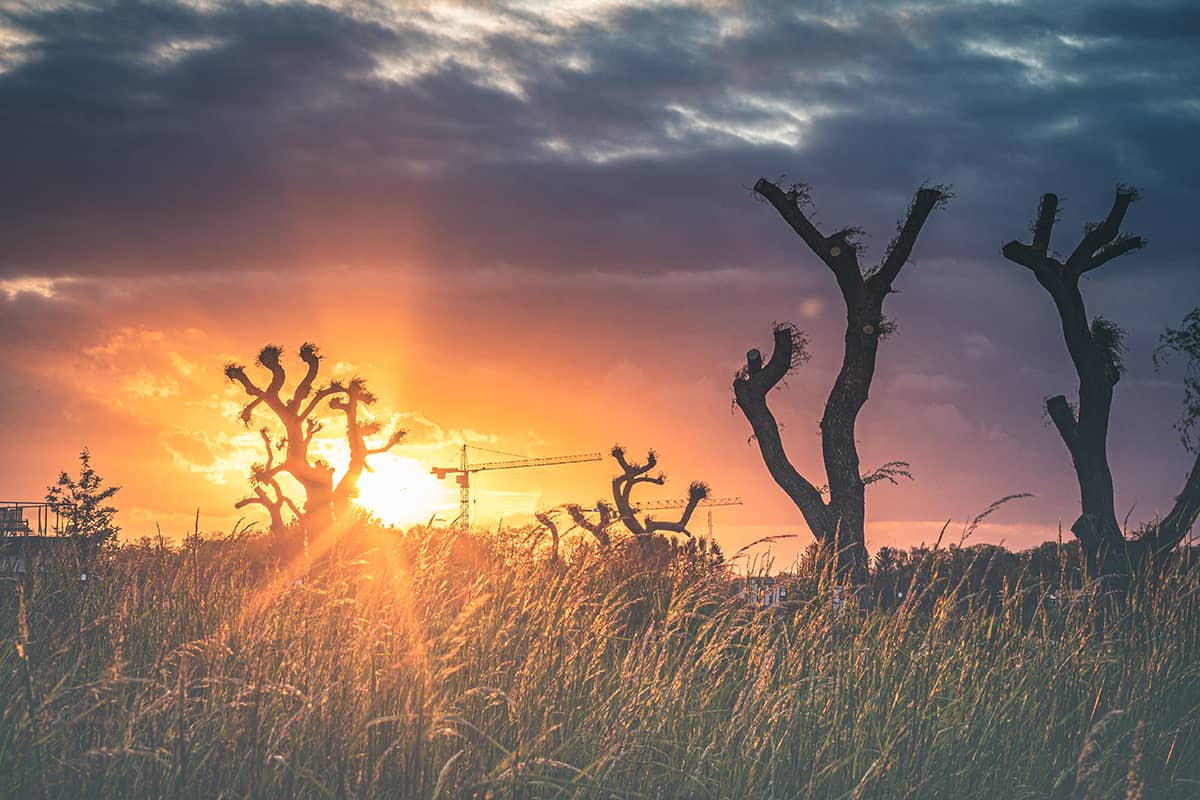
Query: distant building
(761, 591)
(29, 530)
(12, 521)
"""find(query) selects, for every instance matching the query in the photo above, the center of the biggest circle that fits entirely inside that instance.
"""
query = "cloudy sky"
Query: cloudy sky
(528, 225)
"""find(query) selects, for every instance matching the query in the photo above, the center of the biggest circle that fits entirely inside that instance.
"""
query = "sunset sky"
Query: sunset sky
(529, 225)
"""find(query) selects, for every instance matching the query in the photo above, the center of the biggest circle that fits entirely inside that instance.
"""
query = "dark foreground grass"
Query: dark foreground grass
(443, 666)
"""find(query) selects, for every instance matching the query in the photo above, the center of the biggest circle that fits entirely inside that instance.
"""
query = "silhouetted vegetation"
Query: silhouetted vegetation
(83, 503)
(289, 453)
(1184, 342)
(597, 660)
(837, 524)
(443, 663)
(625, 509)
(1096, 351)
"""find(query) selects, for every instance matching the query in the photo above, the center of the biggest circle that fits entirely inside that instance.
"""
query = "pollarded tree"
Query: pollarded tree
(1095, 348)
(838, 523)
(598, 529)
(323, 501)
(633, 474)
(547, 522)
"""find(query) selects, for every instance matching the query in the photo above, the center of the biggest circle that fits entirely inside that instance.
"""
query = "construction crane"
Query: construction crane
(716, 501)
(464, 470)
(663, 505)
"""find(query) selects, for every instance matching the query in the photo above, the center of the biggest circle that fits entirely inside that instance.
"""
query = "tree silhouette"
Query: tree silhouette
(632, 474)
(323, 501)
(598, 529)
(83, 502)
(838, 523)
(1096, 349)
(546, 520)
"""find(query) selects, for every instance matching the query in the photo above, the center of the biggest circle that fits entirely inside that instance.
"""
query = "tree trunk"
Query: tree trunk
(1095, 351)
(839, 524)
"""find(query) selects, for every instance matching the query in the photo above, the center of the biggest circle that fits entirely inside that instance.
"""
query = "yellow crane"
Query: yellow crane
(465, 468)
(663, 505)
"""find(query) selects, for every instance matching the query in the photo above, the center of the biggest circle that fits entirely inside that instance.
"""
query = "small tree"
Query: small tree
(599, 529)
(631, 475)
(1096, 350)
(837, 524)
(323, 501)
(547, 522)
(84, 503)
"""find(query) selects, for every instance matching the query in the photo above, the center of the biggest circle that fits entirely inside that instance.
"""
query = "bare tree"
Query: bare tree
(598, 529)
(323, 501)
(838, 523)
(632, 474)
(546, 520)
(1096, 349)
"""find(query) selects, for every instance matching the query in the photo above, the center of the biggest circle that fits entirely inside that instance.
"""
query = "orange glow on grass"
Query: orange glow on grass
(401, 492)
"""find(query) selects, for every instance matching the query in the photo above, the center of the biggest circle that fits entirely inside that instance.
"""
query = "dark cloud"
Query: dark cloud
(149, 137)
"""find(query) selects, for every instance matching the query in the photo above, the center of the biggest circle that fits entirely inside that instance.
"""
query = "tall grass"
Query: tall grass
(439, 665)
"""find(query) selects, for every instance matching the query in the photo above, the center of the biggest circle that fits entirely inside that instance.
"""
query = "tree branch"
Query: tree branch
(632, 469)
(622, 486)
(335, 387)
(1046, 217)
(311, 426)
(658, 479)
(274, 506)
(697, 491)
(598, 529)
(1100, 234)
(287, 501)
(265, 434)
(1036, 256)
(269, 357)
(546, 522)
(1115, 249)
(1172, 529)
(750, 388)
(249, 501)
(790, 350)
(1031, 258)
(312, 358)
(1063, 417)
(837, 254)
(396, 437)
(924, 202)
(237, 373)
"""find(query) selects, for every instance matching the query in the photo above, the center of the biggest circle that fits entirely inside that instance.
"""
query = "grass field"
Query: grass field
(436, 665)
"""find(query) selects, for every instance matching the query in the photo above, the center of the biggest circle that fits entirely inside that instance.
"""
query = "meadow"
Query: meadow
(441, 664)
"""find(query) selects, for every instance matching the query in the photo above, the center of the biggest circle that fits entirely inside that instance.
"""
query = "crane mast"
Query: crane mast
(465, 468)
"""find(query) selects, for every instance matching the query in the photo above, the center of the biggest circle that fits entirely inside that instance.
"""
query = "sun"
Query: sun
(401, 492)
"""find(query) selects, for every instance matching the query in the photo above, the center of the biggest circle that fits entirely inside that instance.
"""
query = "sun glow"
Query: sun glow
(401, 492)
